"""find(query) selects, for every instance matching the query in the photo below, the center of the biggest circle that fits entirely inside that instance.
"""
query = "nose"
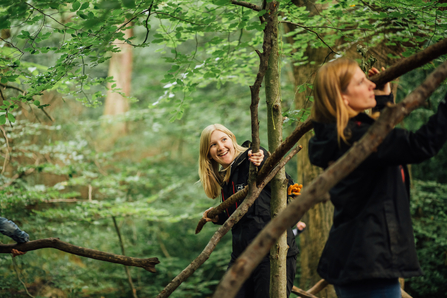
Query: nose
(373, 86)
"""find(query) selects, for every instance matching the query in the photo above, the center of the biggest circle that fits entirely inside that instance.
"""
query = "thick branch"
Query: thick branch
(243, 193)
(285, 146)
(414, 61)
(148, 264)
(224, 205)
(228, 224)
(318, 190)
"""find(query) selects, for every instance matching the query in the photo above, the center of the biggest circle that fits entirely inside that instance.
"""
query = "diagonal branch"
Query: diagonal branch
(308, 29)
(318, 190)
(148, 264)
(414, 61)
(240, 195)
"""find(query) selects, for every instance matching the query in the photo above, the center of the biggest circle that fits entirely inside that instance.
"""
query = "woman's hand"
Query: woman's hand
(380, 90)
(205, 216)
(256, 158)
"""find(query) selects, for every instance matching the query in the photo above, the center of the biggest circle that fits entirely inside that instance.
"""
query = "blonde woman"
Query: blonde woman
(223, 170)
(371, 242)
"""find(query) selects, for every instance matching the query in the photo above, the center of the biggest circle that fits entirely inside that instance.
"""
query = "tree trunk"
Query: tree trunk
(278, 202)
(120, 68)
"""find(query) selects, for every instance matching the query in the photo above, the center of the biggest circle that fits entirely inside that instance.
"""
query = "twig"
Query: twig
(65, 26)
(12, 87)
(12, 45)
(308, 29)
(147, 19)
(129, 278)
(18, 277)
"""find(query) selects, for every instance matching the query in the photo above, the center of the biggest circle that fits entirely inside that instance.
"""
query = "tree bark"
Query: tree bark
(148, 264)
(120, 68)
(318, 190)
(278, 201)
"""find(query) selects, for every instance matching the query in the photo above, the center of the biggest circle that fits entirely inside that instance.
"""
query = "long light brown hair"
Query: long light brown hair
(209, 168)
(331, 81)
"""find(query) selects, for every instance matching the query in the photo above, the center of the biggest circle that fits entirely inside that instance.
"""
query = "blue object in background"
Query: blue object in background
(10, 229)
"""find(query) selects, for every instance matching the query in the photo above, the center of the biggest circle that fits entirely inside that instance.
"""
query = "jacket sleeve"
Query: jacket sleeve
(404, 147)
(382, 101)
(10, 229)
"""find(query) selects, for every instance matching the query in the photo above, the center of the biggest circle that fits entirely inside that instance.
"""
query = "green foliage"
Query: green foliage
(193, 63)
(428, 205)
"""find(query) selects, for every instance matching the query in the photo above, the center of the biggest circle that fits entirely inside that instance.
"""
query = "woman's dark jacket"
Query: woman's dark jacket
(372, 236)
(257, 216)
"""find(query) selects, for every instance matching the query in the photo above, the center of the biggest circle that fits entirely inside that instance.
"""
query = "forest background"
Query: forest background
(77, 168)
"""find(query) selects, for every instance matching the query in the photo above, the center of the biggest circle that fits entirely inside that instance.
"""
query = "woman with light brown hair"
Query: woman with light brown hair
(371, 242)
(223, 171)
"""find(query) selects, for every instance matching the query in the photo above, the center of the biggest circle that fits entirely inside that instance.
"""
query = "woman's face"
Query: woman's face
(359, 94)
(221, 148)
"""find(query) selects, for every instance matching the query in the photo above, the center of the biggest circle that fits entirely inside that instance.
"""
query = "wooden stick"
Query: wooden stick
(148, 264)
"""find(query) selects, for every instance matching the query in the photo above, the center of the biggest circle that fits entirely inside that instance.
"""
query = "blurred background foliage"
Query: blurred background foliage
(62, 175)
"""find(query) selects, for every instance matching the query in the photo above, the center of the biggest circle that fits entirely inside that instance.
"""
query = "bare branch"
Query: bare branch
(12, 87)
(414, 61)
(12, 45)
(147, 19)
(308, 29)
(148, 264)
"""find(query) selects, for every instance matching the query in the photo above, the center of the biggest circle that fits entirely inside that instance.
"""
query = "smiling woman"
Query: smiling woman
(224, 169)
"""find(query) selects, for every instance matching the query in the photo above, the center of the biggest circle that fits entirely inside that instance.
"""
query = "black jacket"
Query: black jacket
(372, 235)
(257, 216)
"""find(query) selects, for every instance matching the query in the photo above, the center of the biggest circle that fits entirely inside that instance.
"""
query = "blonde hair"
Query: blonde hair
(208, 168)
(331, 81)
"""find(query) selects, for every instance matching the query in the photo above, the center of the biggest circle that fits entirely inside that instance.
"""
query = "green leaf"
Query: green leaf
(262, 12)
(84, 5)
(76, 6)
(129, 3)
(4, 22)
(2, 120)
(36, 103)
(11, 118)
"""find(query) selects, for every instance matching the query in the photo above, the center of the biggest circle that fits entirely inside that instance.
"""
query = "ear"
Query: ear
(345, 99)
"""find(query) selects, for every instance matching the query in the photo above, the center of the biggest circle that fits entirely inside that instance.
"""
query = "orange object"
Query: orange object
(294, 189)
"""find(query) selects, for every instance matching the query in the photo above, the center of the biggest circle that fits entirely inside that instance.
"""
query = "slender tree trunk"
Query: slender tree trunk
(278, 202)
(120, 68)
